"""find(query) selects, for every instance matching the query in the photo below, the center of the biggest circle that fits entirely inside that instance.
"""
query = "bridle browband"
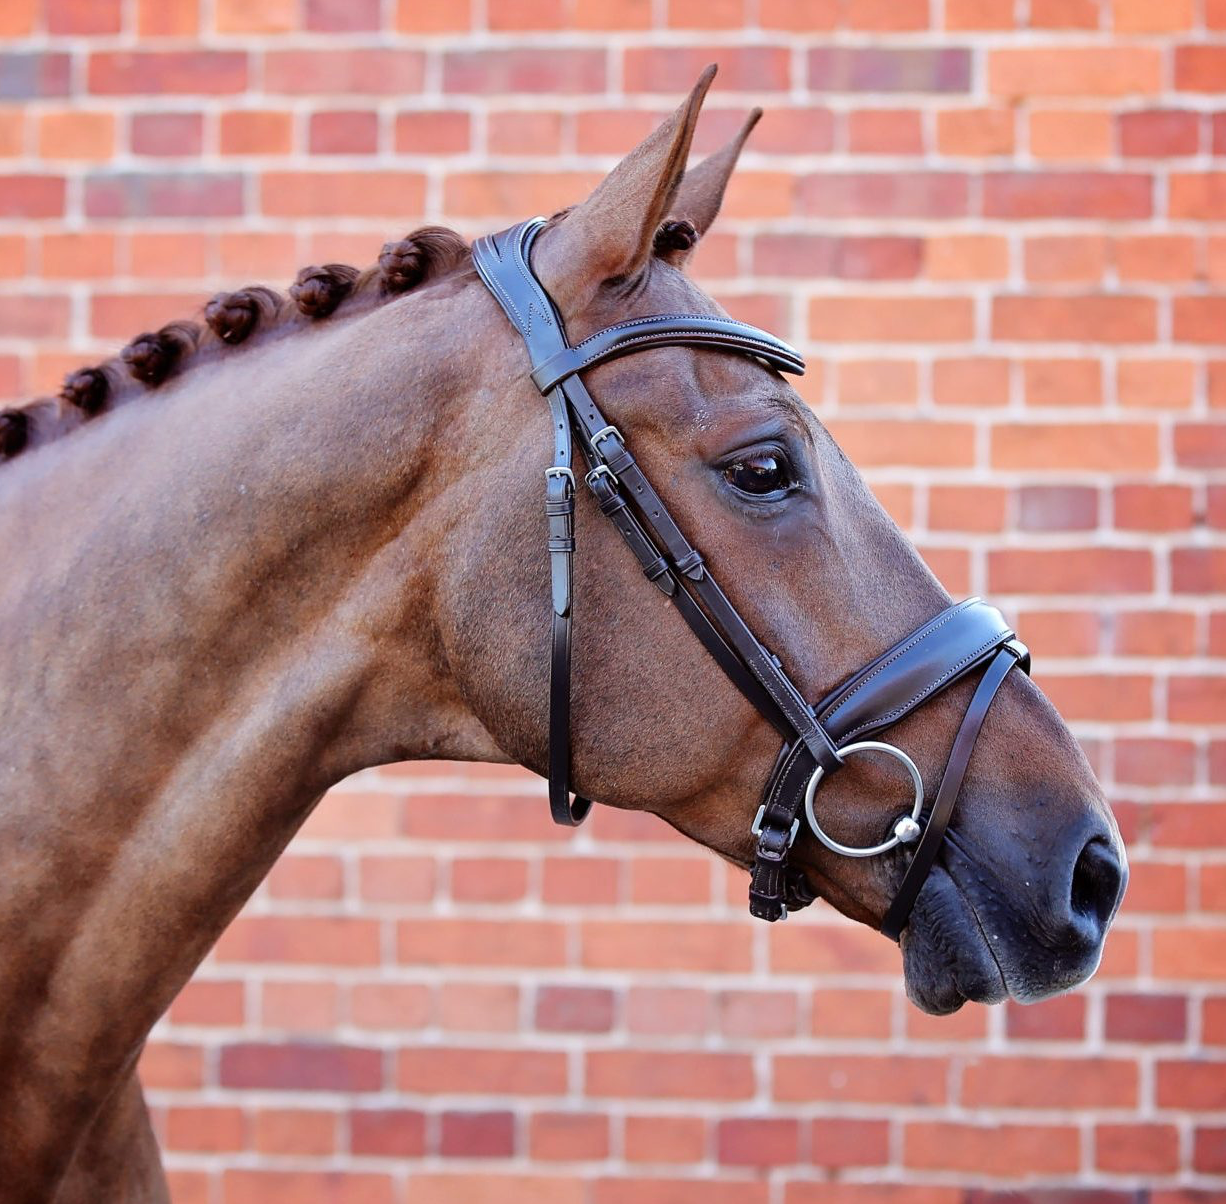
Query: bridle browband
(966, 637)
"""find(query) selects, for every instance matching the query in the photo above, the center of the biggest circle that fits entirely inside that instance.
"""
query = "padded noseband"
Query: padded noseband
(961, 640)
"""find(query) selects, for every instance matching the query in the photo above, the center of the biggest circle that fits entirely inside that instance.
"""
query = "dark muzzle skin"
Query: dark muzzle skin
(1002, 917)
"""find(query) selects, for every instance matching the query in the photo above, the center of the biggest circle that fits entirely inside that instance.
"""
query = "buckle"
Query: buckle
(606, 432)
(560, 472)
(755, 828)
(601, 470)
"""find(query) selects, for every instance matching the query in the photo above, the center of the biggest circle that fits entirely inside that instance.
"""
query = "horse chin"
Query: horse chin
(947, 957)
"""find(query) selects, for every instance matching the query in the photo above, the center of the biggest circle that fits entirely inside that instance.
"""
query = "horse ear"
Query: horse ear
(701, 191)
(609, 236)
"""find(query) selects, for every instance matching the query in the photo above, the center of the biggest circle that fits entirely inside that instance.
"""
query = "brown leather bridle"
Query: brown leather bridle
(961, 639)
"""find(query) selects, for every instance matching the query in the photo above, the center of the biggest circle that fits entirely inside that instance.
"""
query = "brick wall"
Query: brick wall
(996, 227)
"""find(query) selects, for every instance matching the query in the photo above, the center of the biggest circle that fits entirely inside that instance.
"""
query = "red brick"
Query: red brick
(979, 14)
(481, 942)
(1145, 761)
(342, 16)
(30, 196)
(885, 132)
(171, 1065)
(970, 382)
(1159, 133)
(203, 1001)
(1067, 259)
(306, 1187)
(991, 1149)
(1080, 319)
(260, 16)
(205, 1129)
(679, 1191)
(398, 194)
(256, 132)
(1070, 134)
(508, 72)
(1057, 507)
(811, 255)
(664, 1074)
(71, 134)
(694, 14)
(455, 1070)
(851, 1013)
(1060, 1019)
(294, 1131)
(926, 444)
(1196, 699)
(1101, 697)
(1064, 14)
(1200, 68)
(891, 319)
(838, 1142)
(479, 1007)
(1060, 632)
(303, 877)
(1209, 1152)
(581, 880)
(33, 317)
(966, 257)
(1116, 446)
(355, 72)
(668, 1011)
(167, 18)
(1154, 633)
(326, 940)
(300, 1007)
(975, 132)
(574, 1009)
(344, 132)
(674, 946)
(674, 68)
(519, 133)
(756, 1013)
(665, 1139)
(1062, 382)
(1137, 1148)
(1195, 570)
(832, 194)
(1075, 71)
(167, 72)
(301, 1067)
(477, 1135)
(1090, 571)
(1191, 1086)
(167, 134)
(757, 1142)
(1035, 195)
(568, 1137)
(414, 17)
(437, 132)
(1146, 1017)
(500, 193)
(29, 76)
(488, 879)
(71, 256)
(966, 508)
(1155, 257)
(881, 69)
(167, 194)
(1014, 1082)
(1156, 384)
(866, 1079)
(391, 1005)
(878, 382)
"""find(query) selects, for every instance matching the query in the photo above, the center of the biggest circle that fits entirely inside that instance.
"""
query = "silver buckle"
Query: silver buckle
(755, 828)
(601, 470)
(559, 471)
(604, 433)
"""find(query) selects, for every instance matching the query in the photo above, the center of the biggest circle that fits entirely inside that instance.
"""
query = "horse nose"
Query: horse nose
(1099, 877)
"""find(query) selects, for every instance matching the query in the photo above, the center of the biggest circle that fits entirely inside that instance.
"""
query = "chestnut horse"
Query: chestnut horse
(235, 575)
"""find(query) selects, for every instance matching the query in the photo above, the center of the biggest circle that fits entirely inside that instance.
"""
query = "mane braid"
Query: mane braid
(229, 319)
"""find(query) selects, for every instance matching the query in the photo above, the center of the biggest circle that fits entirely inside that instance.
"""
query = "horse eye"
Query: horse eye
(759, 473)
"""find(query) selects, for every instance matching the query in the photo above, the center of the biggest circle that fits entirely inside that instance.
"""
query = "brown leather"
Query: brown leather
(904, 677)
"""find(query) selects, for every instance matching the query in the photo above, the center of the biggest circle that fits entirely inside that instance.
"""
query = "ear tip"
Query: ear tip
(755, 115)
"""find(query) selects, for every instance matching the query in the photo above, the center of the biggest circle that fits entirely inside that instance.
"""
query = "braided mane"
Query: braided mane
(229, 319)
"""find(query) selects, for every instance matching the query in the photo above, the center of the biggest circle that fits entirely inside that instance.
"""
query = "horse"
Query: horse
(246, 559)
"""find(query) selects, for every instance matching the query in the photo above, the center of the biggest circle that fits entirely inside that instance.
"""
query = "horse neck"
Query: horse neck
(194, 623)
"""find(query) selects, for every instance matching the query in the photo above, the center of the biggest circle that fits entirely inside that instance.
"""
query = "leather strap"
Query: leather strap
(1010, 655)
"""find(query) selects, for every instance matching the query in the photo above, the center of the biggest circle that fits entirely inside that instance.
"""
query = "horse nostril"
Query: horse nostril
(1098, 878)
